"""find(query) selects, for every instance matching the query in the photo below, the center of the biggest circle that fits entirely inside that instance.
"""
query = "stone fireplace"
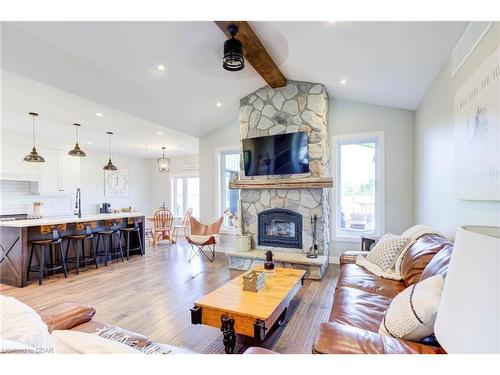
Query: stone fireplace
(279, 227)
(279, 218)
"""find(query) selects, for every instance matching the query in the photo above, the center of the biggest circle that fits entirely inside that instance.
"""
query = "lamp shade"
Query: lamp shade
(468, 319)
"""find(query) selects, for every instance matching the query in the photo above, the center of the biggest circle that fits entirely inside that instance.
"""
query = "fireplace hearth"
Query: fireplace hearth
(279, 227)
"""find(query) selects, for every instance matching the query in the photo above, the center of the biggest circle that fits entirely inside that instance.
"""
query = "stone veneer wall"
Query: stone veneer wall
(299, 106)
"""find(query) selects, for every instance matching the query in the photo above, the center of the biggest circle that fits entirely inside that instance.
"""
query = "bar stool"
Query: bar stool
(107, 236)
(128, 230)
(41, 245)
(82, 238)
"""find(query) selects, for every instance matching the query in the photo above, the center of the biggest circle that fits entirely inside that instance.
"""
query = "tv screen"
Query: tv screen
(276, 154)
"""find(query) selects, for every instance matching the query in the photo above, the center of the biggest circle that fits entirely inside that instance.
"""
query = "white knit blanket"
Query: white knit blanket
(413, 233)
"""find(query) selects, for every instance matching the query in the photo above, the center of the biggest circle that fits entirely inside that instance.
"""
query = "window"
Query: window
(185, 194)
(359, 191)
(229, 167)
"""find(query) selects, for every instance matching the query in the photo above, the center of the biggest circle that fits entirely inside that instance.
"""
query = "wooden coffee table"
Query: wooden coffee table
(236, 311)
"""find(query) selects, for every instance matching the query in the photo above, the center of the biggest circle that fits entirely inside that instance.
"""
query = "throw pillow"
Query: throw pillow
(74, 342)
(386, 251)
(412, 313)
(21, 324)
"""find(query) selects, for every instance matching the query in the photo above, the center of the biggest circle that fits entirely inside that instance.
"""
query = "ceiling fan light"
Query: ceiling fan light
(233, 52)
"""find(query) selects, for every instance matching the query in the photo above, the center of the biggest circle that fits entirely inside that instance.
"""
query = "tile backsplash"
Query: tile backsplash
(16, 198)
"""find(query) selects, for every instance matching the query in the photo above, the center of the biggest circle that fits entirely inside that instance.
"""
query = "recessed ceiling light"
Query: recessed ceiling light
(89, 142)
(218, 104)
(160, 67)
(343, 81)
(159, 133)
(99, 114)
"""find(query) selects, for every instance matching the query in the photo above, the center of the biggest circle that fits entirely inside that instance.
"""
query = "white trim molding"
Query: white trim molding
(379, 138)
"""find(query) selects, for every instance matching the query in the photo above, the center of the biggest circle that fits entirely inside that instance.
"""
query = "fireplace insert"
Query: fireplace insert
(280, 227)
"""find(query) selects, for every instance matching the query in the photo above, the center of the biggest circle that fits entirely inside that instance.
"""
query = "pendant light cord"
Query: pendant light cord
(109, 146)
(33, 131)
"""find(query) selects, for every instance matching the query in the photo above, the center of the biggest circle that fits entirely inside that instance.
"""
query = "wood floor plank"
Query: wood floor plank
(152, 295)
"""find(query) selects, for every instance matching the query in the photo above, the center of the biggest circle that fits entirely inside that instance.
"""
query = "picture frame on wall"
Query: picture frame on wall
(116, 183)
(477, 133)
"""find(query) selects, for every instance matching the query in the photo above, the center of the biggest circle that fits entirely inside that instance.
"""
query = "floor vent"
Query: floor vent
(471, 37)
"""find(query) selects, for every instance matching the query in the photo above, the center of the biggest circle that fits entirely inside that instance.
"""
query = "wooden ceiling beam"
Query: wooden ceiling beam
(255, 53)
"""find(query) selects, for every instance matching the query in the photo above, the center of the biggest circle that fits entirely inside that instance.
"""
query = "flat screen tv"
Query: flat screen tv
(276, 154)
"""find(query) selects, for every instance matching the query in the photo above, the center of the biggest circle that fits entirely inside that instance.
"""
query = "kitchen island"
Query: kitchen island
(15, 237)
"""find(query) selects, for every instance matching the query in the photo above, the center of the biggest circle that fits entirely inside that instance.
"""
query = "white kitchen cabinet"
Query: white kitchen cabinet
(59, 173)
(12, 166)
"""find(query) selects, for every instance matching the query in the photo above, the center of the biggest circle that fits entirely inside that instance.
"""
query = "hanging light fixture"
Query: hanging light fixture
(77, 151)
(233, 52)
(110, 166)
(33, 156)
(163, 162)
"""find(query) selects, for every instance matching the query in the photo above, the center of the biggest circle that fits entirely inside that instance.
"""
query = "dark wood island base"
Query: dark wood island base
(15, 239)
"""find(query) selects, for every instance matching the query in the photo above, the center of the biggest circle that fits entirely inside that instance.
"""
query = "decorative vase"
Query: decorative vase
(269, 263)
(242, 243)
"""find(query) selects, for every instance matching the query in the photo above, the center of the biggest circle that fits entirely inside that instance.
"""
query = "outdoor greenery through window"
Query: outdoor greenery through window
(229, 169)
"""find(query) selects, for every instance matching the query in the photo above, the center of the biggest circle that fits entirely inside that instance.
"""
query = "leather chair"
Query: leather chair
(361, 299)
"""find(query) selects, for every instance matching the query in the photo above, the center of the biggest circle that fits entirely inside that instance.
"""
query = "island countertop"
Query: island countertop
(67, 219)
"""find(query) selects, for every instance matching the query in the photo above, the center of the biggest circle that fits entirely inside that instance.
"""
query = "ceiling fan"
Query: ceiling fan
(241, 34)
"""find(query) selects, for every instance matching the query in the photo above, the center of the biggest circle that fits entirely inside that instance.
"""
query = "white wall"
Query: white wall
(435, 202)
(347, 117)
(226, 135)
(160, 189)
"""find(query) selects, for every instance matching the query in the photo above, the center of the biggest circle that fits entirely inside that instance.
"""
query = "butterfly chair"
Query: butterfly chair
(203, 236)
(162, 225)
(185, 226)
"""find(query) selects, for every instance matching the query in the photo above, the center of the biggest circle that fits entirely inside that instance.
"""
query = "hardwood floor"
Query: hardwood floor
(153, 295)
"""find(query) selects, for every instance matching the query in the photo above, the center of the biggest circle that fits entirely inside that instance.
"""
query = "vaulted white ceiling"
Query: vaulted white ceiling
(114, 63)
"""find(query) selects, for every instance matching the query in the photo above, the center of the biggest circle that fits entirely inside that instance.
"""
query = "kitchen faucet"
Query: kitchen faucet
(78, 203)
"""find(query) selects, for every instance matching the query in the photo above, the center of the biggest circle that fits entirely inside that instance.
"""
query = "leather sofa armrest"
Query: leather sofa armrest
(66, 315)
(350, 256)
(337, 338)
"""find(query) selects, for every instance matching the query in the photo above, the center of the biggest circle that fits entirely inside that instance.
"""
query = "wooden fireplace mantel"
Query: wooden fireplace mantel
(284, 183)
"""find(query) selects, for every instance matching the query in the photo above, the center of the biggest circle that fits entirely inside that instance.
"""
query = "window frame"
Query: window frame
(219, 151)
(173, 190)
(337, 233)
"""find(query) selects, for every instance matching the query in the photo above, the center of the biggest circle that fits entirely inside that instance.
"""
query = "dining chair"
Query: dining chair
(162, 225)
(185, 226)
(203, 236)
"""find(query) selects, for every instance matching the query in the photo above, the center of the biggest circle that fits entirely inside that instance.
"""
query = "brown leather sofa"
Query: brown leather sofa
(361, 299)
(78, 317)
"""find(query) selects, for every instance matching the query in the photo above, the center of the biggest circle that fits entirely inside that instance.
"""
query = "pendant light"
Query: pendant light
(33, 156)
(77, 151)
(110, 166)
(163, 162)
(233, 52)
